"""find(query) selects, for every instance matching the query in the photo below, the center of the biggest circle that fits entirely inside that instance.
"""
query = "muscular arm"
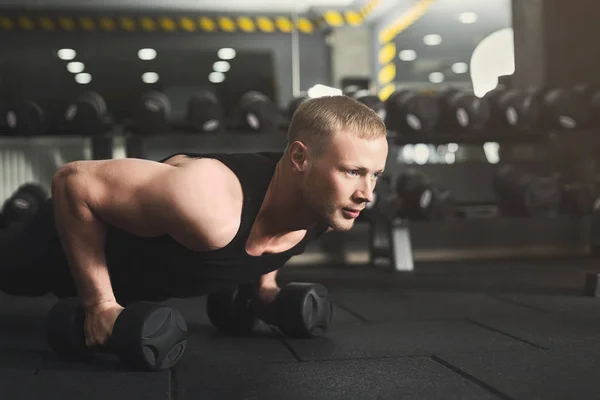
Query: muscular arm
(191, 203)
(268, 280)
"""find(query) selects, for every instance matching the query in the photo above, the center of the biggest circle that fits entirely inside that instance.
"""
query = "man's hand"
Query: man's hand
(99, 322)
(265, 306)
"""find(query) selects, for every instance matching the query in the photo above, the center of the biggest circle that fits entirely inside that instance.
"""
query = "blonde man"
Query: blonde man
(133, 229)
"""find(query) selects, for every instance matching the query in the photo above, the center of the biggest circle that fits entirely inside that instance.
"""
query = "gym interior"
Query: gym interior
(473, 274)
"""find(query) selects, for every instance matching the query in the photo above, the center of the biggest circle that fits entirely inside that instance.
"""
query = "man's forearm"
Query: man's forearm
(268, 280)
(82, 235)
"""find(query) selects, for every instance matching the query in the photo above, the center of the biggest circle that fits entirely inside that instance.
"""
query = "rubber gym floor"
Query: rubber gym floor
(468, 330)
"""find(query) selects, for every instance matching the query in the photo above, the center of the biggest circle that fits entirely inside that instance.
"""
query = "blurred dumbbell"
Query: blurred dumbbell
(146, 336)
(23, 204)
(561, 108)
(300, 310)
(411, 112)
(420, 197)
(205, 112)
(577, 198)
(513, 110)
(151, 113)
(87, 115)
(26, 118)
(371, 101)
(463, 111)
(526, 193)
(259, 113)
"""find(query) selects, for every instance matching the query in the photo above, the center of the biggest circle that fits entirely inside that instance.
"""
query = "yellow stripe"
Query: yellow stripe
(387, 53)
(386, 91)
(408, 18)
(387, 74)
(246, 24)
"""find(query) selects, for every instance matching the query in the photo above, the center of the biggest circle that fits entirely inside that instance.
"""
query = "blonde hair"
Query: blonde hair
(317, 120)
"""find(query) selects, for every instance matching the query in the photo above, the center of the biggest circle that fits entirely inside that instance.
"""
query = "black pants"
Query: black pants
(32, 261)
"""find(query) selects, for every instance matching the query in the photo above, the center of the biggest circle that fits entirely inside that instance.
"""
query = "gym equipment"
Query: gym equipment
(87, 115)
(526, 193)
(577, 198)
(151, 113)
(301, 310)
(463, 111)
(146, 336)
(259, 113)
(561, 108)
(408, 111)
(513, 109)
(592, 285)
(420, 197)
(25, 202)
(371, 101)
(205, 112)
(27, 118)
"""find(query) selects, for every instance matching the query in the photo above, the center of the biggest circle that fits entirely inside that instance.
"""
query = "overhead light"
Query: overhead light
(75, 67)
(226, 53)
(216, 77)
(452, 147)
(146, 54)
(494, 56)
(150, 77)
(421, 153)
(221, 66)
(83, 78)
(460, 67)
(66, 54)
(407, 55)
(436, 77)
(432, 39)
(468, 18)
(322, 91)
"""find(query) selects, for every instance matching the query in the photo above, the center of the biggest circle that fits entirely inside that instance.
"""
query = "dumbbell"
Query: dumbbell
(23, 204)
(146, 336)
(420, 197)
(561, 108)
(513, 110)
(463, 111)
(526, 193)
(205, 112)
(258, 113)
(409, 111)
(151, 113)
(26, 118)
(87, 115)
(300, 309)
(371, 101)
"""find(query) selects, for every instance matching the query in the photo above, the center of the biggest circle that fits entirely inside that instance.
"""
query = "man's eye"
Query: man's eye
(353, 172)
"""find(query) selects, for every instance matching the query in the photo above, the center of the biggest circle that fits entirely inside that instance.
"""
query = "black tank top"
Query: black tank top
(159, 268)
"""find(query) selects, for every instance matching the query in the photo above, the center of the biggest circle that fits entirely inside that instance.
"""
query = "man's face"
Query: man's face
(338, 185)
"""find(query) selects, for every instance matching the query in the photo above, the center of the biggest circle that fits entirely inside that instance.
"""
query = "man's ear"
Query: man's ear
(298, 156)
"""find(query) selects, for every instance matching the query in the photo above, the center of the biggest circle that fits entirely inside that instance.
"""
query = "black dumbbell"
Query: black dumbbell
(205, 112)
(87, 115)
(27, 118)
(412, 112)
(420, 197)
(300, 310)
(258, 113)
(463, 111)
(23, 204)
(152, 113)
(561, 108)
(146, 336)
(526, 193)
(513, 110)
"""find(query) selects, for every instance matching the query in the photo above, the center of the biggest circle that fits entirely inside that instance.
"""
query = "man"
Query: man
(137, 229)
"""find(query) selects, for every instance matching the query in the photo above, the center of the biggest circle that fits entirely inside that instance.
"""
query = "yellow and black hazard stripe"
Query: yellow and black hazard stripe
(387, 48)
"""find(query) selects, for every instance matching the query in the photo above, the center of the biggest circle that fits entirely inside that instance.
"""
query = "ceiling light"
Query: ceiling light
(407, 55)
(150, 77)
(221, 66)
(75, 67)
(319, 90)
(436, 77)
(432, 39)
(83, 78)
(468, 18)
(66, 54)
(460, 68)
(216, 77)
(226, 53)
(146, 54)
